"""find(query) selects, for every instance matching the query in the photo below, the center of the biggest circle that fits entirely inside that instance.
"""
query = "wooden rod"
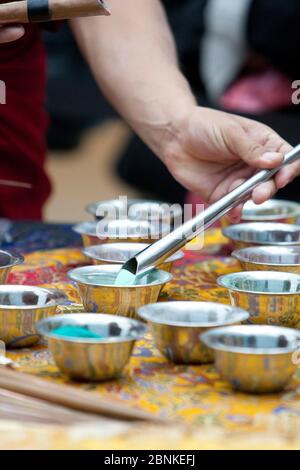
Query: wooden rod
(71, 397)
(17, 11)
(32, 409)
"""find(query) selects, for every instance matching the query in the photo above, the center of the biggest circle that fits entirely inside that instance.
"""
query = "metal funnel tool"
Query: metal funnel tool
(162, 249)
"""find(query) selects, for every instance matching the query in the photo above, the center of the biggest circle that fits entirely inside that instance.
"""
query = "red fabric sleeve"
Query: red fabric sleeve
(23, 125)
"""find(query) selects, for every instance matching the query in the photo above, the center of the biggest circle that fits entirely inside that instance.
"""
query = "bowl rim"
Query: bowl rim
(109, 340)
(61, 300)
(238, 255)
(227, 232)
(207, 335)
(92, 207)
(15, 259)
(220, 282)
(87, 252)
(71, 273)
(280, 202)
(79, 228)
(144, 313)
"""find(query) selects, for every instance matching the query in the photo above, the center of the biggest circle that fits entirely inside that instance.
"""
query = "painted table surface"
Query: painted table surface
(220, 417)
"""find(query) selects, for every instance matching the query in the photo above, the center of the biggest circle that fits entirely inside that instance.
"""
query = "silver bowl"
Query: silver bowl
(271, 298)
(256, 359)
(92, 359)
(136, 209)
(7, 262)
(274, 210)
(99, 293)
(119, 253)
(176, 327)
(269, 258)
(114, 231)
(253, 234)
(21, 307)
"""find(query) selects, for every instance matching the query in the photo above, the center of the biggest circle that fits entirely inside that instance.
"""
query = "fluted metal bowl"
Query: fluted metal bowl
(274, 210)
(92, 359)
(256, 359)
(269, 258)
(21, 307)
(99, 293)
(136, 209)
(270, 297)
(176, 327)
(115, 231)
(119, 253)
(7, 261)
(254, 234)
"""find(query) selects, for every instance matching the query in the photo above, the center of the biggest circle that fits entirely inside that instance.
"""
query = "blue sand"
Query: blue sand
(70, 331)
(125, 278)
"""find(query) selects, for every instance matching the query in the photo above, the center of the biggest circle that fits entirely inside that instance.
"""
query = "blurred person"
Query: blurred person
(74, 101)
(134, 60)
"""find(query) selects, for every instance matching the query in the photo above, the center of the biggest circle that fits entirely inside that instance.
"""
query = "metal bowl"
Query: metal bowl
(92, 359)
(113, 231)
(136, 209)
(176, 327)
(99, 293)
(119, 253)
(7, 262)
(21, 307)
(253, 234)
(274, 210)
(270, 297)
(269, 258)
(256, 359)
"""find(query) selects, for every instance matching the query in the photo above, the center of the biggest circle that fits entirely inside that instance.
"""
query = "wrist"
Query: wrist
(174, 132)
(165, 129)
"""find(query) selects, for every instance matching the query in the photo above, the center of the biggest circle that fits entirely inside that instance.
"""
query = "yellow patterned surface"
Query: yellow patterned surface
(189, 394)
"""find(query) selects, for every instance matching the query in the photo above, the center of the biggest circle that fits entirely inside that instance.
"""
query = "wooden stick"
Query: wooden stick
(14, 405)
(17, 11)
(70, 397)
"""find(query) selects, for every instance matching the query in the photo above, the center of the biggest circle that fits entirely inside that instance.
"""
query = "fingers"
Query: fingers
(235, 214)
(11, 33)
(264, 192)
(249, 148)
(287, 175)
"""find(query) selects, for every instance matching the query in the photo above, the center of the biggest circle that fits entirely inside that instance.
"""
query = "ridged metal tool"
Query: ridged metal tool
(155, 254)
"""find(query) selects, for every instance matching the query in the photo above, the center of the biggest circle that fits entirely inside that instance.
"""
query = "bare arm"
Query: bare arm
(134, 60)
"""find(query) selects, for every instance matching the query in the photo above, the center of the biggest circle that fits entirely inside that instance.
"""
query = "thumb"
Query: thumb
(9, 33)
(253, 152)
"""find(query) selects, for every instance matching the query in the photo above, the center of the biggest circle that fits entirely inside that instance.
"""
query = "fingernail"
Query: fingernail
(271, 157)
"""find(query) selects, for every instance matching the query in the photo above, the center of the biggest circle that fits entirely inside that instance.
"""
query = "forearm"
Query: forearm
(134, 60)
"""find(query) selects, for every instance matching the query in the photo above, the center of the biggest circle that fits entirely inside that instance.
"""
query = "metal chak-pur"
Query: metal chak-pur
(156, 253)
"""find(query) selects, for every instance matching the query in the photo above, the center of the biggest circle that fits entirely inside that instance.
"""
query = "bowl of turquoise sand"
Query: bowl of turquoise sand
(91, 347)
(103, 290)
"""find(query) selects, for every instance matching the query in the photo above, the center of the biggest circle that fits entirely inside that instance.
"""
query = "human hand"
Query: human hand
(211, 153)
(10, 33)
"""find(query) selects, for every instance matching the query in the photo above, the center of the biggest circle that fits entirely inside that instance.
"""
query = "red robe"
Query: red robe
(23, 125)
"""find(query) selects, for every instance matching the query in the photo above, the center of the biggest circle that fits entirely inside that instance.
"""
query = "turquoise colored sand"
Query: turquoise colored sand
(74, 331)
(125, 278)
